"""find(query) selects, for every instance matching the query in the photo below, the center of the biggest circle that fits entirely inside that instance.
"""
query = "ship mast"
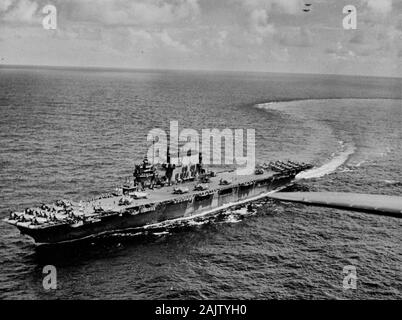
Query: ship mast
(153, 150)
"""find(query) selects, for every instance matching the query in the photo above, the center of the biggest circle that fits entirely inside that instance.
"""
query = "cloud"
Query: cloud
(130, 12)
(296, 37)
(259, 22)
(283, 6)
(103, 12)
(259, 14)
(154, 41)
(5, 4)
(382, 7)
(228, 34)
(167, 41)
(340, 52)
(381, 40)
(19, 11)
(399, 24)
(281, 56)
(358, 38)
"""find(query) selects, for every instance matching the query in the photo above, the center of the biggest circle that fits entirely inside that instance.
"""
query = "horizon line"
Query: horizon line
(133, 69)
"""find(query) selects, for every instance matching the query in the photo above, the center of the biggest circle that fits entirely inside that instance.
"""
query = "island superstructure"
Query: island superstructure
(155, 194)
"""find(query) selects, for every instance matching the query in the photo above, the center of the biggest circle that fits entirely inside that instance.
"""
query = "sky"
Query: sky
(235, 35)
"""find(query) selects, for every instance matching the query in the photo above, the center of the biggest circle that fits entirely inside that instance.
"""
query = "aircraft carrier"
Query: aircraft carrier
(155, 194)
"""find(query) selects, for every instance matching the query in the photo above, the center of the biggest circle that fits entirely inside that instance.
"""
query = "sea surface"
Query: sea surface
(70, 133)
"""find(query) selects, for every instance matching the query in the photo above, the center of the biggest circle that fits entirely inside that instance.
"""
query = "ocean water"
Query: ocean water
(77, 133)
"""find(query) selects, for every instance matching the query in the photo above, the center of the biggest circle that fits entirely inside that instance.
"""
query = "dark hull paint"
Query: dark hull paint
(125, 221)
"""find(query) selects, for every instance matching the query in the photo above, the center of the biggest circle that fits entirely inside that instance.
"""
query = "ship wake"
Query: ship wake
(331, 166)
(300, 109)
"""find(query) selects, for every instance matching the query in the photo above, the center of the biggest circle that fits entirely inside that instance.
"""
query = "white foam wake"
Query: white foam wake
(330, 166)
(338, 160)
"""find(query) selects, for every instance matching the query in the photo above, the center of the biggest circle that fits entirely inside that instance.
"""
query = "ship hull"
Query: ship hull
(186, 209)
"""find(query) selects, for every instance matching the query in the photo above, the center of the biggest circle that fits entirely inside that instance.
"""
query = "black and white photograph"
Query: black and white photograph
(205, 151)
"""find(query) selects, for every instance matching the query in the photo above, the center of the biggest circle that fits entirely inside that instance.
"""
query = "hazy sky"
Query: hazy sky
(255, 35)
